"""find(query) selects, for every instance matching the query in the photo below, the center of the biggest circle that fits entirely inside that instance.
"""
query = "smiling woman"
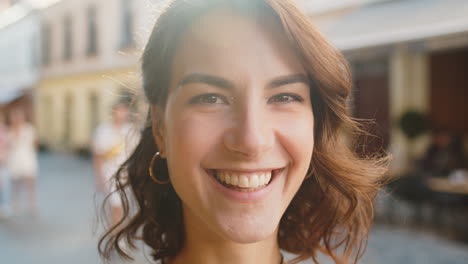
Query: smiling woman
(244, 154)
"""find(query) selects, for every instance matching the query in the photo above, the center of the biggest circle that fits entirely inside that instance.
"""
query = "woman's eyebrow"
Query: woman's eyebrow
(207, 79)
(226, 84)
(289, 79)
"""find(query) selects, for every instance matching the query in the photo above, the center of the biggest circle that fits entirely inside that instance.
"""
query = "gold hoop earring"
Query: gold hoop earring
(151, 173)
(308, 175)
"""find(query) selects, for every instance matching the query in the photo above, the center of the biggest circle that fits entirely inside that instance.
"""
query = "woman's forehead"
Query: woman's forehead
(221, 25)
(226, 41)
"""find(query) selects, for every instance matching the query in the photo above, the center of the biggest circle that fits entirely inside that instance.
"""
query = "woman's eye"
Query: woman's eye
(285, 98)
(206, 99)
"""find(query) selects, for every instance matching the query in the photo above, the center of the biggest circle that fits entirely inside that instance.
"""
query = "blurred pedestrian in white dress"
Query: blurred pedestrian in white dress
(22, 163)
(4, 177)
(112, 143)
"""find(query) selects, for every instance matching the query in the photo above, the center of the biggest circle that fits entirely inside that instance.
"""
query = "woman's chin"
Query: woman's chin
(249, 230)
(249, 236)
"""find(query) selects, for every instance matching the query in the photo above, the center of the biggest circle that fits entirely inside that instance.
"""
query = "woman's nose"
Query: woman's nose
(251, 134)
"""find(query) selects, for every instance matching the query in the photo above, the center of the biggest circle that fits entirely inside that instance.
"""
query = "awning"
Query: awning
(389, 22)
(8, 95)
(19, 10)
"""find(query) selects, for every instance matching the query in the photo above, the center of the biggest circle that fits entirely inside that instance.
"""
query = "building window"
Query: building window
(126, 36)
(94, 111)
(46, 44)
(67, 39)
(92, 48)
(48, 116)
(68, 115)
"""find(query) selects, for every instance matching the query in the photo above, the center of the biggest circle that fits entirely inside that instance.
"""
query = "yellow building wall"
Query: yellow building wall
(409, 90)
(65, 115)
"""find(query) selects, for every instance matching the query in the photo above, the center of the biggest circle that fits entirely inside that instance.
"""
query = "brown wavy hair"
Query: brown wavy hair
(333, 210)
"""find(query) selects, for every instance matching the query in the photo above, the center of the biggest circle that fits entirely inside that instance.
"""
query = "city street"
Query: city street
(63, 232)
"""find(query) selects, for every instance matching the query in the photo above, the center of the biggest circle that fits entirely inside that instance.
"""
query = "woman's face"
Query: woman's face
(237, 130)
(17, 117)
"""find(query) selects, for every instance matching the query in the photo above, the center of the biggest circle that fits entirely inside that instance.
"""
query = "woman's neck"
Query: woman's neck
(204, 247)
(16, 128)
(207, 253)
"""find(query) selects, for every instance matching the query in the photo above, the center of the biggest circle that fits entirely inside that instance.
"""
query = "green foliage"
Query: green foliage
(413, 124)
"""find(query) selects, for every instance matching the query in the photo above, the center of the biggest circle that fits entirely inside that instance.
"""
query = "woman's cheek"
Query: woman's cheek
(195, 132)
(297, 126)
(295, 133)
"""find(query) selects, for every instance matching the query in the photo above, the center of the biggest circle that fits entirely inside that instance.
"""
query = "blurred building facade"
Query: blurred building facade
(405, 56)
(90, 52)
(19, 71)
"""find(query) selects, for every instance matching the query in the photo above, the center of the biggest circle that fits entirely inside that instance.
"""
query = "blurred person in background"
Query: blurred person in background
(112, 141)
(4, 177)
(242, 156)
(22, 163)
(444, 155)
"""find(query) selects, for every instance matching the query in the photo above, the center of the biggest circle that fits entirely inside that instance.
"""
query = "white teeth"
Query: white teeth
(244, 180)
(234, 180)
(254, 181)
(221, 177)
(261, 180)
(267, 178)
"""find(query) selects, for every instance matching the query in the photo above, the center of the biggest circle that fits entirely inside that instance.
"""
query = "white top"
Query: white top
(115, 145)
(22, 159)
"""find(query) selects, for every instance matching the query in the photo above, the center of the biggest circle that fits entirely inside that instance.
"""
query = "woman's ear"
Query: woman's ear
(157, 128)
